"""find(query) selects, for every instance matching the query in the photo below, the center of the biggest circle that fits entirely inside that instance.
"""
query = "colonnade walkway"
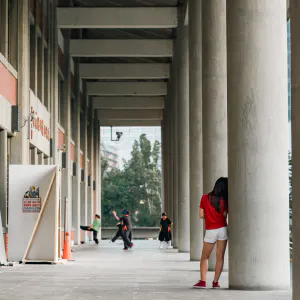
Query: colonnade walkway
(106, 272)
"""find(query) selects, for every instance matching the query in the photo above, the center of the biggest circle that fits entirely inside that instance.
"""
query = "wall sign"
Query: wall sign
(31, 202)
(40, 127)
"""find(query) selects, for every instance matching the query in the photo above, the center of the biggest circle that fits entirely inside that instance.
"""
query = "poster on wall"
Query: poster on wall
(32, 202)
(34, 233)
(39, 134)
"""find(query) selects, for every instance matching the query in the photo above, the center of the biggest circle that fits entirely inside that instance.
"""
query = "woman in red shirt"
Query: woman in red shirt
(214, 209)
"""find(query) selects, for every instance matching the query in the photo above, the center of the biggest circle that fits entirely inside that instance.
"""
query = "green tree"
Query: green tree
(137, 187)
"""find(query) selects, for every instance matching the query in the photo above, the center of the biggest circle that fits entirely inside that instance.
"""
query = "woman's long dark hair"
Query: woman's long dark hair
(219, 192)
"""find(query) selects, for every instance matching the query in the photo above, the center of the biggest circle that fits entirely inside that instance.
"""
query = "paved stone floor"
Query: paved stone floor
(106, 272)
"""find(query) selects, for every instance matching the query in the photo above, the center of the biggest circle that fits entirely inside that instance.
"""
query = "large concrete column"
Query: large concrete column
(258, 145)
(91, 158)
(195, 127)
(175, 149)
(165, 157)
(84, 148)
(170, 211)
(183, 136)
(33, 156)
(66, 124)
(76, 180)
(20, 143)
(99, 180)
(54, 85)
(163, 168)
(214, 74)
(295, 49)
(41, 158)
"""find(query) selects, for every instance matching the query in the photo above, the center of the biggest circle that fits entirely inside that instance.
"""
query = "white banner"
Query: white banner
(40, 127)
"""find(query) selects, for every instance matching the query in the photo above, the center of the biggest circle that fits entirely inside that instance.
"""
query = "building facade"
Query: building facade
(110, 153)
(45, 114)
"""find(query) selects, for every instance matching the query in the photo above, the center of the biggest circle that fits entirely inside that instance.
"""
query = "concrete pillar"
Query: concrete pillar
(91, 162)
(295, 48)
(76, 180)
(54, 85)
(20, 143)
(195, 128)
(3, 176)
(66, 124)
(84, 148)
(97, 166)
(170, 211)
(165, 158)
(99, 173)
(214, 80)
(40, 158)
(33, 156)
(258, 145)
(175, 149)
(183, 136)
(163, 168)
(47, 161)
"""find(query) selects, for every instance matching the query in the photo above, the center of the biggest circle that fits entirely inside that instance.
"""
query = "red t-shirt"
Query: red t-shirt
(213, 219)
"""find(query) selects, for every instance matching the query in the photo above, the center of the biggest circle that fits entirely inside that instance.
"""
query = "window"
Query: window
(33, 64)
(13, 33)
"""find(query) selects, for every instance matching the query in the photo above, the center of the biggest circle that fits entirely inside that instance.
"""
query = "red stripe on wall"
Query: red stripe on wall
(72, 152)
(5, 235)
(8, 85)
(61, 139)
(81, 161)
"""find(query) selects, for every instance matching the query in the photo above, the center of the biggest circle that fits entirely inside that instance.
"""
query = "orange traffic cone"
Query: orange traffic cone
(67, 254)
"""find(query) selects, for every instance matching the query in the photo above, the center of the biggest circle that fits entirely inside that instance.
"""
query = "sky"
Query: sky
(130, 134)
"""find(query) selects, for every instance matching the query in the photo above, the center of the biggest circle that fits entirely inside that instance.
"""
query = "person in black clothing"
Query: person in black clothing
(119, 232)
(165, 230)
(126, 229)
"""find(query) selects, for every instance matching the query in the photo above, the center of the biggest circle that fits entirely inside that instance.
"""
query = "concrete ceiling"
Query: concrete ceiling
(125, 49)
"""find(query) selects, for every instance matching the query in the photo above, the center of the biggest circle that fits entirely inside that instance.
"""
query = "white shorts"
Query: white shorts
(211, 236)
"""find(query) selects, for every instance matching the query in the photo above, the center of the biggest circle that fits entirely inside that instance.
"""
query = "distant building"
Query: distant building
(111, 154)
(130, 134)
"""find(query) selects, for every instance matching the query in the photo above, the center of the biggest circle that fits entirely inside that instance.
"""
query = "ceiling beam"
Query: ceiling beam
(127, 88)
(128, 102)
(124, 71)
(117, 17)
(130, 123)
(126, 114)
(121, 48)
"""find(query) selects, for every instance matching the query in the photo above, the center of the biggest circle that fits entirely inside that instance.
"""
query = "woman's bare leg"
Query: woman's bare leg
(206, 252)
(221, 248)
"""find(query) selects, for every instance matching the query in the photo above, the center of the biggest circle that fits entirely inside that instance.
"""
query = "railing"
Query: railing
(137, 232)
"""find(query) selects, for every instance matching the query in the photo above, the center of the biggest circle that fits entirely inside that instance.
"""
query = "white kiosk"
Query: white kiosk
(34, 214)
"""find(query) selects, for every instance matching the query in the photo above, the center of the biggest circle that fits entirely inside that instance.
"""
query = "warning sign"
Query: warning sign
(31, 205)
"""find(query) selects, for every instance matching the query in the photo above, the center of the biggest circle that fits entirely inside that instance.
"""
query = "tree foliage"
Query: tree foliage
(137, 187)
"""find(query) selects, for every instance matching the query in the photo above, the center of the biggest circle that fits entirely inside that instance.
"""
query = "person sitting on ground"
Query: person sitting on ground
(126, 229)
(94, 228)
(165, 230)
(214, 210)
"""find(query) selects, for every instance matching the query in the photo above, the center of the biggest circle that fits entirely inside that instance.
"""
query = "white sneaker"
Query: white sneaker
(161, 246)
(170, 246)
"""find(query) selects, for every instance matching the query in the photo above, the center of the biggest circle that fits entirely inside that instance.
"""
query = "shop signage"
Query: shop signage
(40, 125)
